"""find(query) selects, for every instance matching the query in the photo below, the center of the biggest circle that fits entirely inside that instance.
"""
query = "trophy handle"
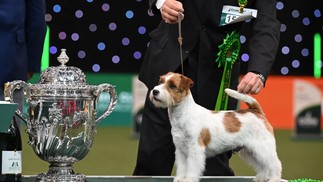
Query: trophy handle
(113, 99)
(8, 94)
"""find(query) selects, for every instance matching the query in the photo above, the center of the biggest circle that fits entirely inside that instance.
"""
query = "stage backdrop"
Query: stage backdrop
(107, 40)
(106, 36)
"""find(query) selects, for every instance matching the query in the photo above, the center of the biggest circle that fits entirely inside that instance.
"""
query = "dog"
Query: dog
(199, 133)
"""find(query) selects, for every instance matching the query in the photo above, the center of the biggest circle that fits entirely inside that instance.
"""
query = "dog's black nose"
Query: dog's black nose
(155, 92)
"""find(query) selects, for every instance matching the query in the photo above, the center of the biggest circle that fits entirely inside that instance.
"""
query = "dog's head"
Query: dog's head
(171, 90)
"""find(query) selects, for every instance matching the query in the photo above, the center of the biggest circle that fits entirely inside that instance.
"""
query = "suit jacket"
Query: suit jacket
(201, 24)
(22, 33)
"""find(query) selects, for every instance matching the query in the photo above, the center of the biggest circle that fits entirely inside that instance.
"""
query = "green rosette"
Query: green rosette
(227, 55)
(242, 4)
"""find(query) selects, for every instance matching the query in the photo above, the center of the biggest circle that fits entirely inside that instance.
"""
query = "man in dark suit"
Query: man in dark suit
(22, 33)
(202, 37)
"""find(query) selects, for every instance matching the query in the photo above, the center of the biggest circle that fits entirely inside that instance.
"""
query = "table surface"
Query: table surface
(27, 178)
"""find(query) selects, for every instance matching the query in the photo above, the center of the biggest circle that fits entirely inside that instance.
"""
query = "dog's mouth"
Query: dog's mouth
(156, 99)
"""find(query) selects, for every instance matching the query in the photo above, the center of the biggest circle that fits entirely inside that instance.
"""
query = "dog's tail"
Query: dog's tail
(250, 101)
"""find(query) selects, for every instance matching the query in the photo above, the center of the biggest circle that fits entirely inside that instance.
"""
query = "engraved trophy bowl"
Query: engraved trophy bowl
(61, 119)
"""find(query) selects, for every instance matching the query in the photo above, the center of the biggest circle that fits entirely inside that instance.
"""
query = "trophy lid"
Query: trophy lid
(65, 75)
(62, 80)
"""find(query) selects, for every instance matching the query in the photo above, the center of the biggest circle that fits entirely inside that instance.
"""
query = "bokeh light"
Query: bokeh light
(107, 37)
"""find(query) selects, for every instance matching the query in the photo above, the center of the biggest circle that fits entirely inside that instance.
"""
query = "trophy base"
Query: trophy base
(59, 172)
(43, 177)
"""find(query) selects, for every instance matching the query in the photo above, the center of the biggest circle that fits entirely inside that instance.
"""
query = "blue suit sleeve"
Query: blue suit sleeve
(35, 32)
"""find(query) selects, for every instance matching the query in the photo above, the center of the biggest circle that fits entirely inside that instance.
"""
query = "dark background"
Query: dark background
(108, 36)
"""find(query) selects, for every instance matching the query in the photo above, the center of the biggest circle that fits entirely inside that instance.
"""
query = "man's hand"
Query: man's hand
(169, 11)
(250, 84)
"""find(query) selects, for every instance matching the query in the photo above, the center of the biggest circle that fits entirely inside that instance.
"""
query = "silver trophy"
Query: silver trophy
(61, 121)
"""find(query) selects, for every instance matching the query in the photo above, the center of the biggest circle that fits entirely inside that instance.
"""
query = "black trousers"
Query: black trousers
(156, 152)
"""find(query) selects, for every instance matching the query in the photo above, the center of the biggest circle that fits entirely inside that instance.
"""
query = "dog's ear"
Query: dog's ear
(186, 83)
(191, 83)
(169, 73)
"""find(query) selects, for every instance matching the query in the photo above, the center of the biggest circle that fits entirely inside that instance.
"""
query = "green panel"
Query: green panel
(121, 115)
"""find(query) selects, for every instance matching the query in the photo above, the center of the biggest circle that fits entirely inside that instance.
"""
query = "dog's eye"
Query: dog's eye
(172, 86)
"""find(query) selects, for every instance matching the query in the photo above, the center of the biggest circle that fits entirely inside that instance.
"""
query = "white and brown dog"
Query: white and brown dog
(199, 133)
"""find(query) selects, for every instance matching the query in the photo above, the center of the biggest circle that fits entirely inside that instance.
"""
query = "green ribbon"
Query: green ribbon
(242, 4)
(227, 55)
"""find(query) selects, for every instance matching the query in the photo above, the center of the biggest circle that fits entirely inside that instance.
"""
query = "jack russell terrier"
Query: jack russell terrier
(199, 133)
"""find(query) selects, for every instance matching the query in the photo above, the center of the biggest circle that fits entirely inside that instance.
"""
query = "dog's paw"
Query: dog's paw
(187, 180)
(178, 179)
(260, 179)
(190, 180)
(264, 179)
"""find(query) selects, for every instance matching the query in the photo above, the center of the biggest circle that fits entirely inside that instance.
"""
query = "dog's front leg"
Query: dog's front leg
(181, 165)
(195, 163)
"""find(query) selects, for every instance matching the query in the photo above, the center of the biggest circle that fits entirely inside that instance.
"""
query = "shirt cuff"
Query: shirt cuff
(159, 3)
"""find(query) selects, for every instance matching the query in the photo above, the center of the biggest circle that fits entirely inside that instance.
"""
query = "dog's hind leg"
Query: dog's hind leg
(275, 168)
(263, 157)
(249, 158)
(267, 155)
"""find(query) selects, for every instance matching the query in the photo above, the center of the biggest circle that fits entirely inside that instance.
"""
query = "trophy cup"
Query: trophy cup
(61, 120)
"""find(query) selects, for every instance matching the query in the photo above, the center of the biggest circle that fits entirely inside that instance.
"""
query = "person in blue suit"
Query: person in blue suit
(22, 34)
